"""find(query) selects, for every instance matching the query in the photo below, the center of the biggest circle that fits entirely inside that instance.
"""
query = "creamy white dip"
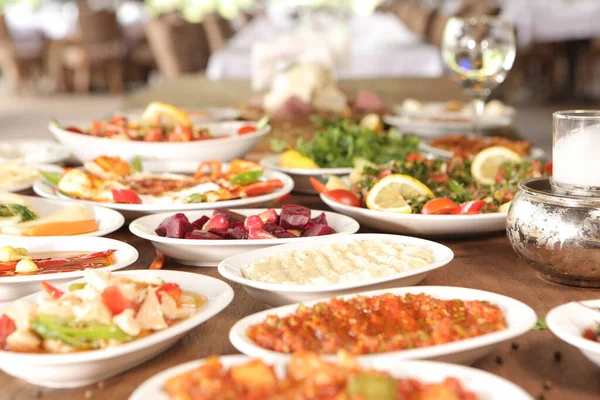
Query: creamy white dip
(13, 175)
(338, 263)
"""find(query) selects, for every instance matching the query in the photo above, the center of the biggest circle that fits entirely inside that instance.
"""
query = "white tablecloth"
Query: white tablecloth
(380, 45)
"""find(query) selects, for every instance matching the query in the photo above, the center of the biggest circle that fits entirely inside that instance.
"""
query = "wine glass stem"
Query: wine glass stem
(478, 106)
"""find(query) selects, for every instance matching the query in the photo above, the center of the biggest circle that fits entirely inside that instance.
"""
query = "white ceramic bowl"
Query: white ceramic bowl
(568, 321)
(108, 220)
(132, 211)
(301, 176)
(32, 151)
(423, 225)
(486, 385)
(227, 147)
(197, 115)
(520, 318)
(209, 253)
(13, 287)
(278, 294)
(84, 368)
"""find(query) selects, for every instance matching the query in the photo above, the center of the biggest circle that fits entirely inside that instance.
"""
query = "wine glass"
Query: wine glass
(478, 52)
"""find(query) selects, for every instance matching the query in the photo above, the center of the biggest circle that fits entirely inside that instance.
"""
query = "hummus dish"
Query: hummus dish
(13, 175)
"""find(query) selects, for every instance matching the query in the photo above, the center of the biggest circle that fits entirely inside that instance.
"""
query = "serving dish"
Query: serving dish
(228, 146)
(283, 294)
(108, 220)
(520, 318)
(197, 115)
(484, 384)
(301, 176)
(131, 211)
(536, 152)
(84, 368)
(208, 253)
(422, 225)
(568, 321)
(14, 287)
(32, 152)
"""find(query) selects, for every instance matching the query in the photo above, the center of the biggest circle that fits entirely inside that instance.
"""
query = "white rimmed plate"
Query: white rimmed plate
(422, 225)
(301, 176)
(28, 185)
(226, 147)
(84, 368)
(536, 152)
(279, 294)
(520, 318)
(486, 385)
(433, 128)
(13, 287)
(108, 220)
(131, 211)
(197, 115)
(568, 321)
(209, 253)
(32, 152)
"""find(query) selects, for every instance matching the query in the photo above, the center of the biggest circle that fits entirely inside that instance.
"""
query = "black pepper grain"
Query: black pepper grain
(557, 356)
(514, 345)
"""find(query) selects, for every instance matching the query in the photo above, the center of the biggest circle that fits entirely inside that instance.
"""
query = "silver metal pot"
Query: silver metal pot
(558, 234)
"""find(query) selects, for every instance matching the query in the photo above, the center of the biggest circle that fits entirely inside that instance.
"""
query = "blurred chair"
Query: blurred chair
(218, 31)
(102, 45)
(20, 60)
(178, 46)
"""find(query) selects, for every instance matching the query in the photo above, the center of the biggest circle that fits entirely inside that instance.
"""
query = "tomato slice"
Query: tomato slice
(52, 291)
(73, 129)
(549, 168)
(260, 188)
(344, 197)
(154, 135)
(472, 207)
(181, 134)
(7, 327)
(127, 196)
(318, 185)
(114, 300)
(173, 290)
(440, 206)
(246, 129)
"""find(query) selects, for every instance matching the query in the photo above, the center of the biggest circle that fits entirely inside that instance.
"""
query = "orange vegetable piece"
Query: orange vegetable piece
(65, 228)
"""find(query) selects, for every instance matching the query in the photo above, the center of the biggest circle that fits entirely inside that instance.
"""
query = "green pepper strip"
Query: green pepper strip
(246, 178)
(196, 198)
(52, 327)
(76, 286)
(136, 164)
(52, 177)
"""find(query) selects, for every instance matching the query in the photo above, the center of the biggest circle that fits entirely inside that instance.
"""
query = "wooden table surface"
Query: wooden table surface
(486, 263)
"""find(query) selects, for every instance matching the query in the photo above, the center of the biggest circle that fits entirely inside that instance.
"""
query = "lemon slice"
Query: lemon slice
(487, 162)
(169, 114)
(390, 193)
(293, 159)
(371, 122)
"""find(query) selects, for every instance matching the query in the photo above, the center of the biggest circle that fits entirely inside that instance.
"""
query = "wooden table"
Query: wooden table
(486, 263)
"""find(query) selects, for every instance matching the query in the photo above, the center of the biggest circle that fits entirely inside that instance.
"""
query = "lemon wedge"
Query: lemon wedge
(371, 122)
(504, 207)
(487, 162)
(390, 193)
(293, 159)
(168, 113)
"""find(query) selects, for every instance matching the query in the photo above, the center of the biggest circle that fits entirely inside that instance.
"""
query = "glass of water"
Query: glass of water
(478, 53)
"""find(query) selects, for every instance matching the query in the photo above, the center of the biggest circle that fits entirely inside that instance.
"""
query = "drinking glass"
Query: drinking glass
(478, 53)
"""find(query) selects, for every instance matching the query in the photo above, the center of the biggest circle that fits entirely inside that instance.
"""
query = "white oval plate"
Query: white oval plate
(225, 148)
(431, 128)
(44, 189)
(32, 152)
(486, 385)
(13, 287)
(301, 176)
(433, 109)
(568, 321)
(520, 318)
(84, 368)
(25, 186)
(208, 253)
(108, 220)
(279, 294)
(424, 147)
(197, 115)
(422, 225)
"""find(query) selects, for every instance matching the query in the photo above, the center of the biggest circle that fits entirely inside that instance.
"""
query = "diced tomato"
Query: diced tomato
(155, 135)
(118, 120)
(52, 291)
(318, 185)
(344, 196)
(73, 129)
(549, 168)
(472, 207)
(181, 134)
(440, 206)
(384, 173)
(412, 157)
(159, 261)
(439, 178)
(173, 290)
(114, 300)
(246, 129)
(7, 327)
(126, 196)
(260, 188)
